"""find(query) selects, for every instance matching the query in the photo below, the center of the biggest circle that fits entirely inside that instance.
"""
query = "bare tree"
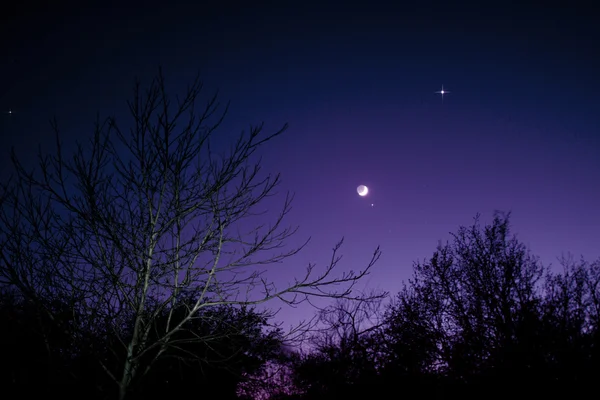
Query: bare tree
(336, 349)
(346, 321)
(343, 352)
(475, 293)
(572, 298)
(138, 219)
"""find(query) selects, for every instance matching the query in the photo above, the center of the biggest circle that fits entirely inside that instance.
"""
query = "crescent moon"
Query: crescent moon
(362, 190)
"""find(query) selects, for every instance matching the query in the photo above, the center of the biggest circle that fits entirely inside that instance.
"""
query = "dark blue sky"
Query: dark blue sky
(519, 131)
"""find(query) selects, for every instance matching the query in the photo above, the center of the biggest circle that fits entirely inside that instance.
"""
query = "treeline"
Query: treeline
(481, 316)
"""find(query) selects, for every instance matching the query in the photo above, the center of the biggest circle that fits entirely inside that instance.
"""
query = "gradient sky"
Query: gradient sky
(519, 131)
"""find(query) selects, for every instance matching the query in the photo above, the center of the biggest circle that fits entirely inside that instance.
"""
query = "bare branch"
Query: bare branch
(139, 219)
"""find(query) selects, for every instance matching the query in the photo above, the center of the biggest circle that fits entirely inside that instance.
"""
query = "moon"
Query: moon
(362, 190)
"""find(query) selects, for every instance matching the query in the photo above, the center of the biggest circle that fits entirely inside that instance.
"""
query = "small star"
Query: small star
(9, 112)
(443, 92)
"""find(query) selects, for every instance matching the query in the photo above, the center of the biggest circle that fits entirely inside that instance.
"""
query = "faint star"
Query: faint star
(443, 92)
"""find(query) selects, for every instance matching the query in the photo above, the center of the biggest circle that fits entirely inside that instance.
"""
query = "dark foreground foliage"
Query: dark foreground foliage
(480, 317)
(38, 352)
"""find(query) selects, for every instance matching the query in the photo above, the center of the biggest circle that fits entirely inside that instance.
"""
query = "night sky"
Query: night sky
(519, 130)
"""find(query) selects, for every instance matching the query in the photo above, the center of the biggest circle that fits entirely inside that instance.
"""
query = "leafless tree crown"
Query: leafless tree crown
(138, 219)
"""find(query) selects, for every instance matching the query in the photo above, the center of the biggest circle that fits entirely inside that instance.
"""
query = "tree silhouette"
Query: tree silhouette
(481, 316)
(411, 339)
(39, 350)
(143, 217)
(571, 322)
(344, 357)
(478, 291)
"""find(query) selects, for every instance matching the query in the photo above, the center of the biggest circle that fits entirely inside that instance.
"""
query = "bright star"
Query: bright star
(443, 92)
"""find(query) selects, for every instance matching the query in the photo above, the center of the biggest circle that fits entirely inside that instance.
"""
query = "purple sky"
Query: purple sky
(519, 131)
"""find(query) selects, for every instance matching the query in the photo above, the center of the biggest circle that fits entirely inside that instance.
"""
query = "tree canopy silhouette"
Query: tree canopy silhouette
(480, 315)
